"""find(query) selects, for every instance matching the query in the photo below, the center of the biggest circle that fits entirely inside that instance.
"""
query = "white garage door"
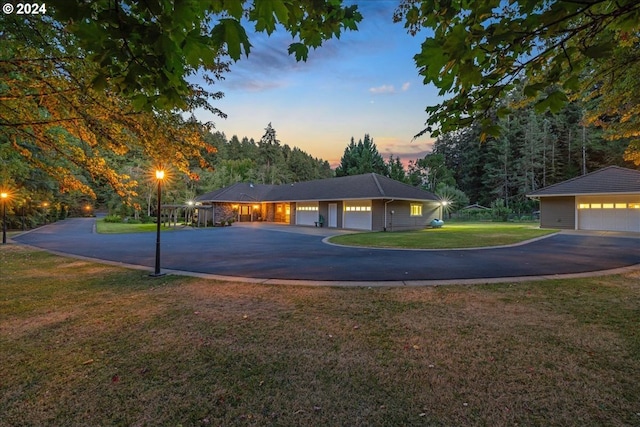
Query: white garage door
(610, 216)
(306, 213)
(357, 214)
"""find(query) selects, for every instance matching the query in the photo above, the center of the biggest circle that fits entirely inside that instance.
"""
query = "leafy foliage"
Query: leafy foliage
(53, 121)
(478, 51)
(146, 50)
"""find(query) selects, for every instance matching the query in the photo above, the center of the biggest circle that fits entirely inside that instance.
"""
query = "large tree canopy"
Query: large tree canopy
(476, 51)
(87, 82)
(147, 49)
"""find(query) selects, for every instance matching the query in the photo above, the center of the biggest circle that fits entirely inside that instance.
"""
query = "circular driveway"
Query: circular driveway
(288, 253)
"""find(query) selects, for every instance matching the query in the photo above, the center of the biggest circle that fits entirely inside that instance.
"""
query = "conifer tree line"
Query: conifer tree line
(534, 150)
(265, 161)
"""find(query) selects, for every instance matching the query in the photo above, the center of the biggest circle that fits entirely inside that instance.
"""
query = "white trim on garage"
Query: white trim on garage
(609, 213)
(357, 214)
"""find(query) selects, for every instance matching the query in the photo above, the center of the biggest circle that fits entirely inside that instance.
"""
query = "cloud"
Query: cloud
(382, 89)
(406, 150)
(405, 86)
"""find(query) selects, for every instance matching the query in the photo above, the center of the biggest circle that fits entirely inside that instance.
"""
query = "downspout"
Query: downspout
(385, 213)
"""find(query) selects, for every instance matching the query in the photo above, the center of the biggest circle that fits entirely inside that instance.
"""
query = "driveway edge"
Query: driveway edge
(346, 283)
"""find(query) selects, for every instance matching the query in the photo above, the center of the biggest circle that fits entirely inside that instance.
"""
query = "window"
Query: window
(621, 206)
(357, 208)
(583, 206)
(307, 208)
(416, 209)
(596, 206)
(634, 205)
(607, 206)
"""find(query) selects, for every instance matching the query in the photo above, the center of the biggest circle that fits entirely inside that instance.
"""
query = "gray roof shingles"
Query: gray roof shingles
(366, 186)
(612, 179)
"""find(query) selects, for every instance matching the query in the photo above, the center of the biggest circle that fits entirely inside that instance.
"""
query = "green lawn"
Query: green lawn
(90, 344)
(452, 235)
(123, 227)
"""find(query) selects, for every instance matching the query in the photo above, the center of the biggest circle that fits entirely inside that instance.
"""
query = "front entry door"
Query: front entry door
(245, 213)
(333, 215)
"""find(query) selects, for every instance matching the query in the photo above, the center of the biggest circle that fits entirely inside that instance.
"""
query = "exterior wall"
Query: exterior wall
(223, 211)
(270, 212)
(401, 218)
(220, 211)
(377, 215)
(558, 212)
(293, 215)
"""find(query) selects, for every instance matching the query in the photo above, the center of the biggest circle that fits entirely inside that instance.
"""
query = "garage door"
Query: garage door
(357, 214)
(610, 216)
(306, 213)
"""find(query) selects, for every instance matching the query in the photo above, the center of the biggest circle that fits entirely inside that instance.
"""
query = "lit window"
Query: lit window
(607, 206)
(596, 206)
(634, 205)
(621, 206)
(583, 206)
(416, 210)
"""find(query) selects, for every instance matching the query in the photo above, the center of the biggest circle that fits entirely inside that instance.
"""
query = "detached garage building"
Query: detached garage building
(607, 199)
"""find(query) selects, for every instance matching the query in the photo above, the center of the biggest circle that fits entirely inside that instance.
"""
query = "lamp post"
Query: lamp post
(443, 206)
(45, 205)
(4, 197)
(159, 177)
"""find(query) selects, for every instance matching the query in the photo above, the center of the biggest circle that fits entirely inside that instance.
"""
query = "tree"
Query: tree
(432, 172)
(477, 51)
(83, 84)
(360, 158)
(146, 50)
(395, 169)
(53, 119)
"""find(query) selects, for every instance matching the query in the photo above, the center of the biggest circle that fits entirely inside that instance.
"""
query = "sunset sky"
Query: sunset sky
(365, 82)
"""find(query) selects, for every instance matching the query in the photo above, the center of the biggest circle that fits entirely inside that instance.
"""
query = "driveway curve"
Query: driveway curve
(298, 254)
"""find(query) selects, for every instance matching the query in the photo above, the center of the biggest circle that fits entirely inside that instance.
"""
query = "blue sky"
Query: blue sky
(365, 82)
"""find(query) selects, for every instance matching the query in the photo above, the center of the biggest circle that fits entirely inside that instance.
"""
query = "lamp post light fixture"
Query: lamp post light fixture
(4, 196)
(189, 214)
(159, 177)
(45, 205)
(443, 206)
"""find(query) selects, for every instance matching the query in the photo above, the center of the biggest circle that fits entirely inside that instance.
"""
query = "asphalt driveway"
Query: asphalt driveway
(295, 253)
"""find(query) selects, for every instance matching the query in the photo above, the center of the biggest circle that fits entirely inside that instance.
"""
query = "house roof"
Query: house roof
(366, 186)
(609, 180)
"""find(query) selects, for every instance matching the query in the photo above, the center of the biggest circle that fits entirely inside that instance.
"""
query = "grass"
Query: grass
(123, 227)
(90, 344)
(452, 235)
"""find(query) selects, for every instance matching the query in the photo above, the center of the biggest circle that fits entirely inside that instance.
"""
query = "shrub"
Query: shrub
(112, 218)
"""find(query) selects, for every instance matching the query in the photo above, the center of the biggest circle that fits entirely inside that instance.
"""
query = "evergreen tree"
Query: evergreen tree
(360, 158)
(395, 170)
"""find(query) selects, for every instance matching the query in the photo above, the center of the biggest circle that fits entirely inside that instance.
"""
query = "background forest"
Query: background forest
(533, 151)
(84, 121)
